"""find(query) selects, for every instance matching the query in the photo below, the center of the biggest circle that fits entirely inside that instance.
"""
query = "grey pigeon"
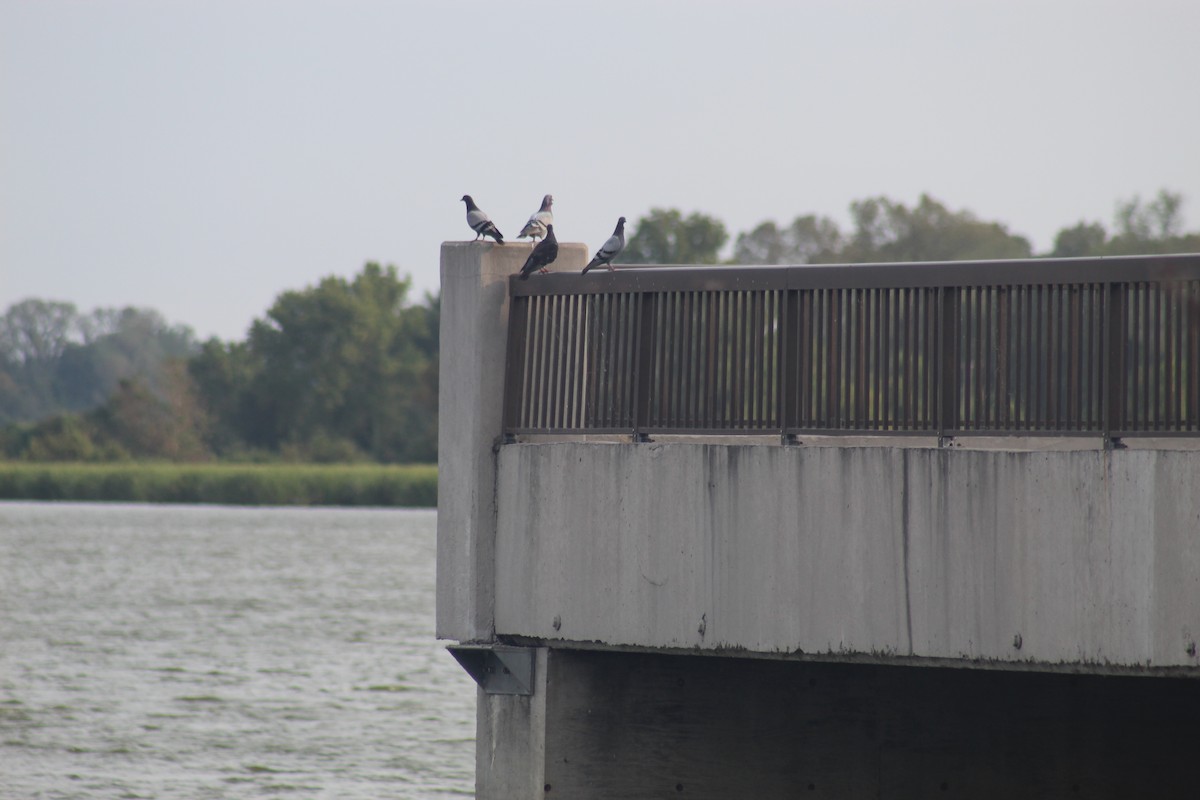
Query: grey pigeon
(610, 249)
(479, 221)
(544, 253)
(536, 226)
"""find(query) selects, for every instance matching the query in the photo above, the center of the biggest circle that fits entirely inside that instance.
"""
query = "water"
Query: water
(198, 652)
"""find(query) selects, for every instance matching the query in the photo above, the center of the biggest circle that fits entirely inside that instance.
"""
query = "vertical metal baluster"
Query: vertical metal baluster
(1056, 368)
(1003, 357)
(754, 416)
(826, 348)
(834, 355)
(1174, 362)
(561, 335)
(806, 308)
(745, 367)
(618, 319)
(539, 384)
(719, 323)
(604, 330)
(1191, 357)
(1144, 376)
(970, 367)
(709, 388)
(862, 342)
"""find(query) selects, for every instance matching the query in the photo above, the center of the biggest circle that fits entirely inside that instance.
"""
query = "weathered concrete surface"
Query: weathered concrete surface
(474, 319)
(1087, 558)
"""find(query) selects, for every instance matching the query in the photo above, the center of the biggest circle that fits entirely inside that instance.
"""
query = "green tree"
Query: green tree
(1084, 239)
(222, 374)
(166, 424)
(33, 330)
(53, 359)
(1154, 227)
(665, 236)
(888, 231)
(808, 240)
(884, 230)
(65, 437)
(341, 361)
(1139, 228)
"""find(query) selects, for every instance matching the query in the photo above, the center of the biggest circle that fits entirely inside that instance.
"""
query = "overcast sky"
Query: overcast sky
(201, 156)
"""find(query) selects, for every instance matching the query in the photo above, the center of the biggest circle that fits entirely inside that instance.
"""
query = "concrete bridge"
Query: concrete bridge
(872, 531)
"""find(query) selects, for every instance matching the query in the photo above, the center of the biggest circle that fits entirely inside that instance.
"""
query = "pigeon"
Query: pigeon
(609, 250)
(479, 221)
(543, 254)
(536, 226)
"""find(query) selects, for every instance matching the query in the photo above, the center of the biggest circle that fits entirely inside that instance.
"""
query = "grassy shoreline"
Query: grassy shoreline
(407, 485)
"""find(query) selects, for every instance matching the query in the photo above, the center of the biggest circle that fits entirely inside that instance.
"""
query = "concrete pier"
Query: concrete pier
(730, 618)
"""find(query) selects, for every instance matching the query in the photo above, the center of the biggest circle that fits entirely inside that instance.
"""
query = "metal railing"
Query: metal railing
(1106, 347)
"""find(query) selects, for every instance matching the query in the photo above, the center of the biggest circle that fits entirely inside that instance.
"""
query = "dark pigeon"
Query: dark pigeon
(543, 254)
(610, 249)
(479, 221)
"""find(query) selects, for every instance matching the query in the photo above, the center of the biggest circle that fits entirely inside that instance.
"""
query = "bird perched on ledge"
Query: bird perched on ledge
(480, 223)
(535, 228)
(610, 249)
(543, 254)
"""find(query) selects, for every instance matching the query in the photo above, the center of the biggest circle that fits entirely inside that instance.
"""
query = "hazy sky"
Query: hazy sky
(201, 156)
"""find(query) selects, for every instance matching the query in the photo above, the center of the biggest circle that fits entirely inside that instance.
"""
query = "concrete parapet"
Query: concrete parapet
(1086, 559)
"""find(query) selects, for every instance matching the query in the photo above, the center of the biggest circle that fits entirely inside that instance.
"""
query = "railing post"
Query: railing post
(644, 348)
(1112, 379)
(947, 382)
(789, 357)
(514, 362)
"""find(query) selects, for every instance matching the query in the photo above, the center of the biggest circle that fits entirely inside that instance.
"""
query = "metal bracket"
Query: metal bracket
(498, 668)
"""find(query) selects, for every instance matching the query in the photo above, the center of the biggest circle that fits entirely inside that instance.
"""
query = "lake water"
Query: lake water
(206, 652)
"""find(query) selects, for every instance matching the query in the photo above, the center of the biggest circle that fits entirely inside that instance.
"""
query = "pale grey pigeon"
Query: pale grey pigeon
(535, 228)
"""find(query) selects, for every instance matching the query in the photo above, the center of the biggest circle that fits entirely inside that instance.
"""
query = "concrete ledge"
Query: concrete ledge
(1015, 444)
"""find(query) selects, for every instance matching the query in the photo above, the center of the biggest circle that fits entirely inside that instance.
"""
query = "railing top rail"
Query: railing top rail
(1028, 271)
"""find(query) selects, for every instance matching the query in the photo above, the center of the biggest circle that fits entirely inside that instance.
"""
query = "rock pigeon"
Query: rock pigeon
(535, 228)
(479, 221)
(609, 250)
(544, 252)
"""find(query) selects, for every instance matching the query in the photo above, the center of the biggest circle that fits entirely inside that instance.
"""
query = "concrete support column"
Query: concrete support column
(510, 740)
(474, 321)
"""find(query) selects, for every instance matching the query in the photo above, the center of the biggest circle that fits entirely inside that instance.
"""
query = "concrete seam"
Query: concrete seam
(904, 536)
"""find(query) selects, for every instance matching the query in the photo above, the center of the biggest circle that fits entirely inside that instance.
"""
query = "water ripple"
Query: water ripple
(192, 652)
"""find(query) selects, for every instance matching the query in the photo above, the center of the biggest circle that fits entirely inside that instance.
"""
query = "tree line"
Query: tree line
(343, 371)
(883, 230)
(347, 370)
